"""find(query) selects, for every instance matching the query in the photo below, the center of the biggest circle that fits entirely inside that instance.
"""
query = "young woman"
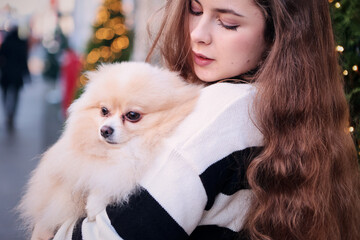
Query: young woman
(266, 154)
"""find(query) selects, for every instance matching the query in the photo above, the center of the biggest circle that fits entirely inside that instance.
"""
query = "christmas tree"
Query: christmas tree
(111, 40)
(346, 24)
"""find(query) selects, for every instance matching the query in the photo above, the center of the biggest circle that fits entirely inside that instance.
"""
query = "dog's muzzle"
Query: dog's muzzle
(106, 131)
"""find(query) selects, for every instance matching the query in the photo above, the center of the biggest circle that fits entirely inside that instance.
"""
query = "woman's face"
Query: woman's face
(227, 37)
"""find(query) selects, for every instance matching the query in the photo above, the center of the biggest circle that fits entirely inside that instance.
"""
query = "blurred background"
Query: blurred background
(46, 45)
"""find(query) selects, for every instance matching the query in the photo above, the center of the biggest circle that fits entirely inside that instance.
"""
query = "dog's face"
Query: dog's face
(127, 100)
(113, 130)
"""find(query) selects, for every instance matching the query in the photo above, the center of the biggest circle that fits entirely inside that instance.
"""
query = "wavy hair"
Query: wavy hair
(173, 40)
(306, 182)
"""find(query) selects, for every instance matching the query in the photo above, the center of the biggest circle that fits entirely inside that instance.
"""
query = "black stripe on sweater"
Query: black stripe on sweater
(77, 235)
(143, 218)
(213, 232)
(228, 175)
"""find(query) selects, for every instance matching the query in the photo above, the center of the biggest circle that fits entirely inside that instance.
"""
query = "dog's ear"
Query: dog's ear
(84, 100)
(77, 105)
(92, 75)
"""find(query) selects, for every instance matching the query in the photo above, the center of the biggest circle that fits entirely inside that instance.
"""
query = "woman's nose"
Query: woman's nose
(200, 32)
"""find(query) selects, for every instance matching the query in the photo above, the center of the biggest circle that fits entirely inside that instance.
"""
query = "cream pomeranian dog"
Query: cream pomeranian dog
(113, 131)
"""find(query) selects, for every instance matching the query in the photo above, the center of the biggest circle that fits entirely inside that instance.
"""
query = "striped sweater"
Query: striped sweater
(197, 187)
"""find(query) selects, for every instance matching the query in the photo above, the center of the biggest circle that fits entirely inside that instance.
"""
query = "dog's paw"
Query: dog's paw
(42, 234)
(91, 218)
(92, 211)
(94, 206)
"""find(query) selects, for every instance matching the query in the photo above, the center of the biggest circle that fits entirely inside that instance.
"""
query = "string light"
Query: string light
(105, 52)
(340, 48)
(346, 72)
(351, 129)
(114, 21)
(102, 16)
(105, 33)
(330, 1)
(115, 6)
(120, 43)
(355, 68)
(337, 5)
(93, 56)
(119, 29)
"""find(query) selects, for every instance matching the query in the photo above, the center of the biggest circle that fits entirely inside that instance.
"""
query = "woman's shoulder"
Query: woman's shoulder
(218, 98)
(224, 108)
(221, 123)
(228, 91)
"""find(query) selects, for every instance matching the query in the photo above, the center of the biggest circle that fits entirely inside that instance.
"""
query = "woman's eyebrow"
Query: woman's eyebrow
(224, 10)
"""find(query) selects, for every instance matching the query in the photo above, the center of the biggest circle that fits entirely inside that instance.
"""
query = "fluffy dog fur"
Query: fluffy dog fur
(106, 145)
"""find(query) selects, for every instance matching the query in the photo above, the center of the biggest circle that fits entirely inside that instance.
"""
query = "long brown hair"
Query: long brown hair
(306, 182)
(173, 39)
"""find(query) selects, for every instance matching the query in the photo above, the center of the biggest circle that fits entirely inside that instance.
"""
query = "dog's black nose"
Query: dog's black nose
(106, 131)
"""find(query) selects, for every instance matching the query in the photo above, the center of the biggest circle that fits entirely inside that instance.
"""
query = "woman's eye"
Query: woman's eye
(104, 111)
(132, 116)
(229, 27)
(195, 8)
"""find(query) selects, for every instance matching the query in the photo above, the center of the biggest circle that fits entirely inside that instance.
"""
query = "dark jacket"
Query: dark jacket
(13, 60)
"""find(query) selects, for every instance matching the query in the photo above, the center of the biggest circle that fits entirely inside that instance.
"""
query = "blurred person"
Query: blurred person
(14, 71)
(70, 70)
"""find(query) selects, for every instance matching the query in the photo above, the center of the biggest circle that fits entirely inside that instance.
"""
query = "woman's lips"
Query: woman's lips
(202, 60)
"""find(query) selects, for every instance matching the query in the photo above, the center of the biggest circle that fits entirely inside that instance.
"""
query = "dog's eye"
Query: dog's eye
(104, 111)
(133, 116)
